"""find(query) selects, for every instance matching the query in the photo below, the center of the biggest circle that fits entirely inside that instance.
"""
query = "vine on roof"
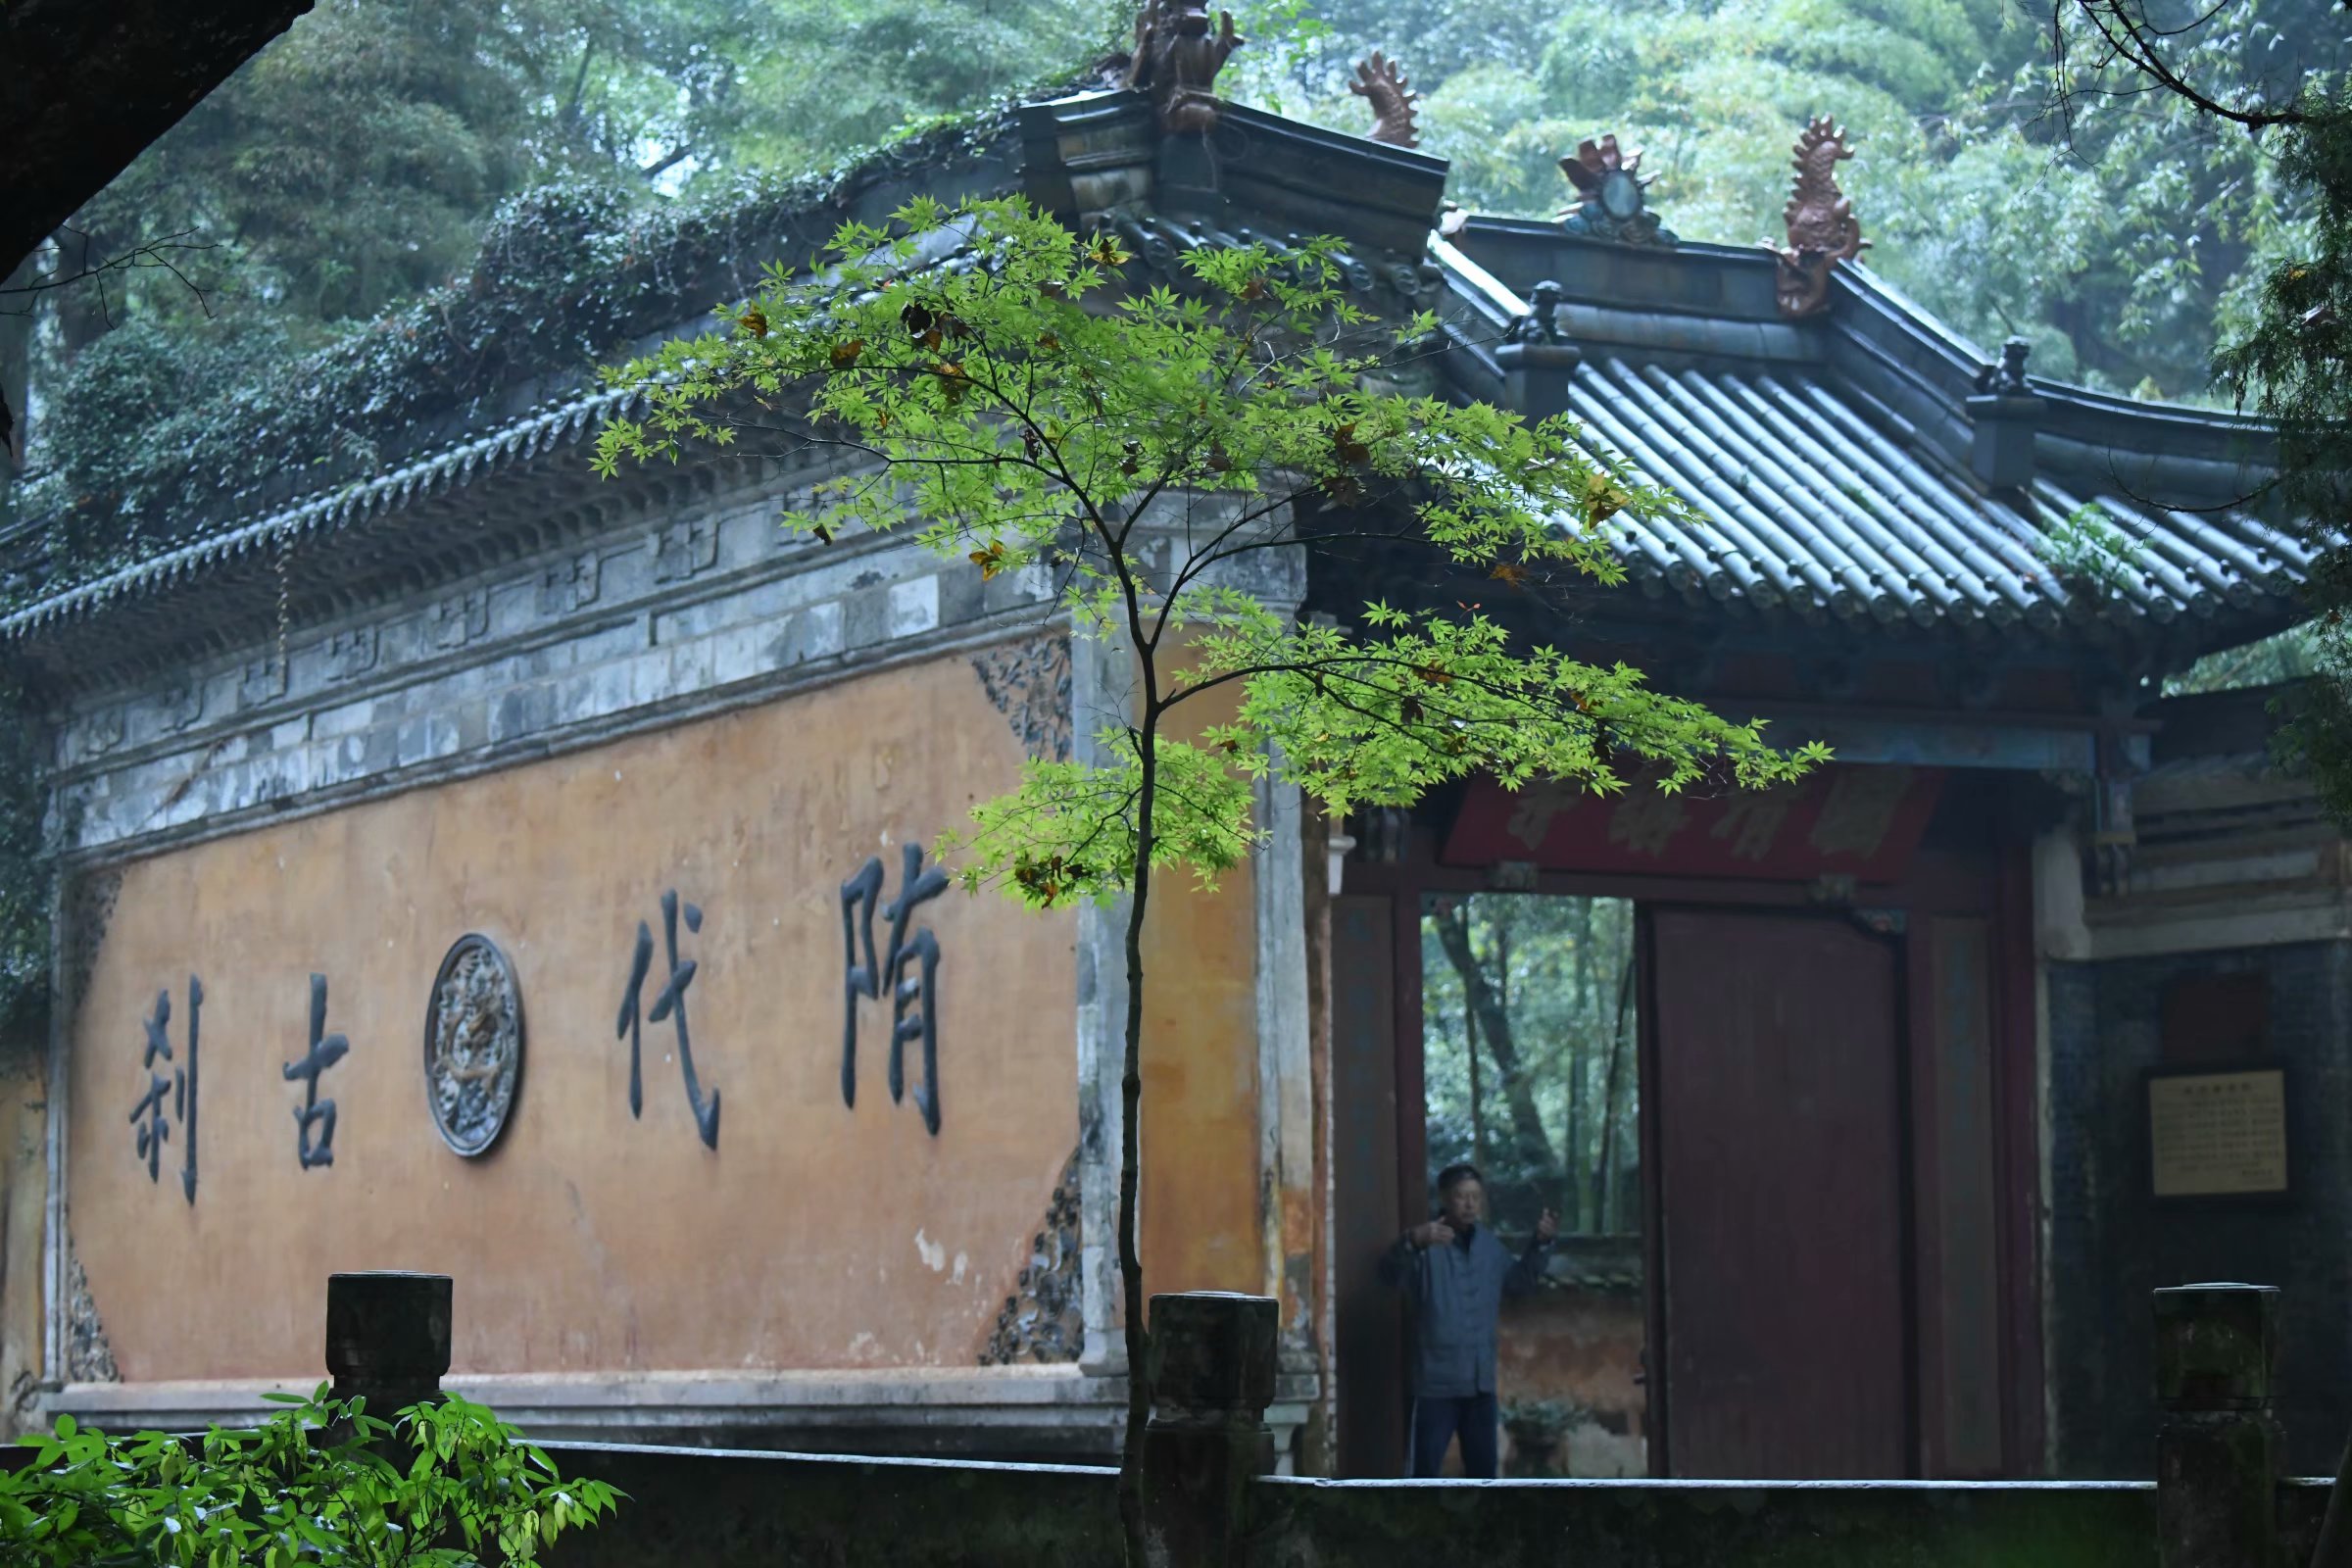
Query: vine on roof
(155, 437)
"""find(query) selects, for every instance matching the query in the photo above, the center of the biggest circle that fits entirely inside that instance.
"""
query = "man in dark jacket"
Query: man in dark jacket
(1457, 1273)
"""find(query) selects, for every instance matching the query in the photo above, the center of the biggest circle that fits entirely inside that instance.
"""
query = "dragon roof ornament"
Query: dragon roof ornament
(1823, 230)
(1176, 60)
(1383, 84)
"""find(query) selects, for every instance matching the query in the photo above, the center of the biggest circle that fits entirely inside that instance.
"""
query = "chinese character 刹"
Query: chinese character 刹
(147, 1116)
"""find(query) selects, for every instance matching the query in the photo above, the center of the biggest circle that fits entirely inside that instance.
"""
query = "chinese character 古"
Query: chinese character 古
(668, 1004)
(147, 1116)
(326, 1051)
(911, 997)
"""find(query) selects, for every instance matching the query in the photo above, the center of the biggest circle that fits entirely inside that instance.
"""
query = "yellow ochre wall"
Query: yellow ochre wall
(1200, 1225)
(815, 1237)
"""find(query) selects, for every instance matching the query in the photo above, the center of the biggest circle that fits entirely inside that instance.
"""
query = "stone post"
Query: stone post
(1212, 1377)
(387, 1338)
(2217, 1444)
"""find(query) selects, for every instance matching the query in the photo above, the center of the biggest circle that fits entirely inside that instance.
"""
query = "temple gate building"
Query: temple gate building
(476, 868)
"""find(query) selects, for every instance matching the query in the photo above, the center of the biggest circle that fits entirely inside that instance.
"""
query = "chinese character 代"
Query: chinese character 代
(916, 885)
(669, 1004)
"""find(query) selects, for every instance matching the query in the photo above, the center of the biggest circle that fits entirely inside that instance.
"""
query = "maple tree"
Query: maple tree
(1008, 400)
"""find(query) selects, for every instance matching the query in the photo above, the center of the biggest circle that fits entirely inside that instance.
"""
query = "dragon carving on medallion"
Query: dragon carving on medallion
(1177, 58)
(1823, 230)
(1382, 82)
(473, 1045)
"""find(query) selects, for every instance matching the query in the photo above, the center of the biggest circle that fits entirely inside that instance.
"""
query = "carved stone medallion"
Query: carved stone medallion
(473, 1045)
(1611, 198)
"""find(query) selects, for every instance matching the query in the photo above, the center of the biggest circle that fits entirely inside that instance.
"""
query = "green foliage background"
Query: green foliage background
(1530, 1109)
(388, 163)
(2125, 241)
(410, 201)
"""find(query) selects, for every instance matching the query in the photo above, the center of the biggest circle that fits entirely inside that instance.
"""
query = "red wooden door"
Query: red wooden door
(1777, 1091)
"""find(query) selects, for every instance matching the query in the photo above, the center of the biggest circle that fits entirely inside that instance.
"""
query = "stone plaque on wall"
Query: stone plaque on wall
(2217, 1134)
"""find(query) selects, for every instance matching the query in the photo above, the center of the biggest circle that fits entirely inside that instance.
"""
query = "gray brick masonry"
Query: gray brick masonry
(639, 627)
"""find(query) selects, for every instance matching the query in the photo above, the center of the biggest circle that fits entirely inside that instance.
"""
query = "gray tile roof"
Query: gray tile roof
(1804, 497)
(559, 423)
(1823, 466)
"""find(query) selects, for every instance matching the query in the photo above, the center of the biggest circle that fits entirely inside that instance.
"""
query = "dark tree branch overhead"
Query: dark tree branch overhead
(2130, 36)
(17, 299)
(86, 85)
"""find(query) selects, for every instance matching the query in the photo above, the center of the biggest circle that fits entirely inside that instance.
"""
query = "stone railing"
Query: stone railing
(1212, 1502)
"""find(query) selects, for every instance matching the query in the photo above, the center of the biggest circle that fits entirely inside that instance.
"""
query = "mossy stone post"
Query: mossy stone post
(387, 1338)
(2217, 1446)
(1212, 1377)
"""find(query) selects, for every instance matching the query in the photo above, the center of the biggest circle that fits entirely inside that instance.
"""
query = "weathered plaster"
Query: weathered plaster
(1285, 1071)
(1029, 683)
(1204, 1181)
(628, 635)
(24, 1223)
(1044, 1320)
(89, 1358)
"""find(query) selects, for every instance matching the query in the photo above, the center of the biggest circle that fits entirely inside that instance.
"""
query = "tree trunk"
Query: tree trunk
(1530, 1144)
(1478, 1102)
(1131, 1094)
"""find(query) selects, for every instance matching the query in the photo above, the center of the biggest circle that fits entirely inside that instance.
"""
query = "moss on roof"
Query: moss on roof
(179, 439)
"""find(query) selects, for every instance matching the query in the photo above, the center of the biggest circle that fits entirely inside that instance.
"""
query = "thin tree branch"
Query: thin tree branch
(154, 255)
(2131, 38)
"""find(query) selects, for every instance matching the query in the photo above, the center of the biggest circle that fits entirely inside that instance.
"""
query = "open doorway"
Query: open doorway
(1530, 1071)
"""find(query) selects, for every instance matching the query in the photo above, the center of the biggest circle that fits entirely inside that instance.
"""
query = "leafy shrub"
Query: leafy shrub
(2087, 550)
(318, 1483)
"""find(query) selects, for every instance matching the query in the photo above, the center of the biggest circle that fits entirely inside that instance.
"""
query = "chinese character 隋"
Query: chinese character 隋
(148, 1115)
(326, 1051)
(669, 1003)
(912, 1003)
